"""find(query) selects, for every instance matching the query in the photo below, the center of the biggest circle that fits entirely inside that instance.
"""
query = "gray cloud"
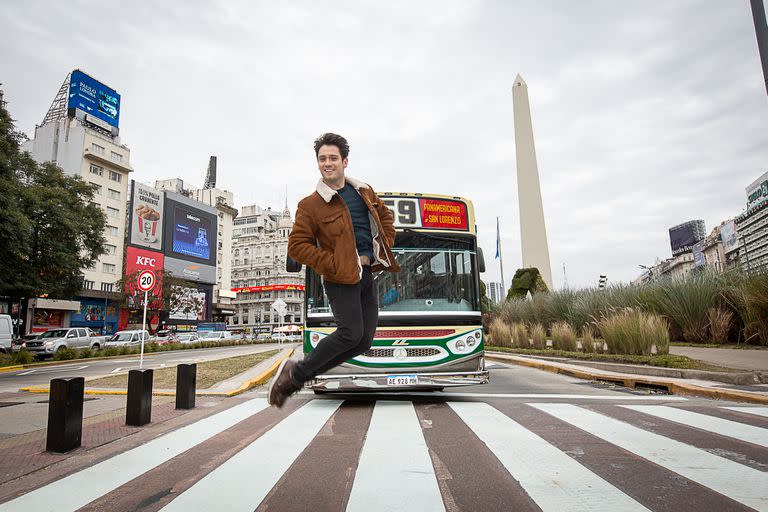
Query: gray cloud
(645, 116)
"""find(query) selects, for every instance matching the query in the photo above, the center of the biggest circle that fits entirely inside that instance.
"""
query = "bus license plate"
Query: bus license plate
(402, 380)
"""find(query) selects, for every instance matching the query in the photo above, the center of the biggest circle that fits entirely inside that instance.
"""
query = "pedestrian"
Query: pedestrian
(345, 233)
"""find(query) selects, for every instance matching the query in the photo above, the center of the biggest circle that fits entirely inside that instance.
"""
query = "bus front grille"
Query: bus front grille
(410, 351)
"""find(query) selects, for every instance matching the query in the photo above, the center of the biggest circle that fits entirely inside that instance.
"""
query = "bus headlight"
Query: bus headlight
(461, 346)
(470, 341)
(465, 345)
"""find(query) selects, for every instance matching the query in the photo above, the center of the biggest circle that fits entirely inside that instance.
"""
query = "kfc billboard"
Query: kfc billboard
(137, 260)
(146, 227)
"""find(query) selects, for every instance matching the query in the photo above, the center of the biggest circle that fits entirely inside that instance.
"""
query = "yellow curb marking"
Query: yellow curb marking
(11, 368)
(245, 386)
(674, 388)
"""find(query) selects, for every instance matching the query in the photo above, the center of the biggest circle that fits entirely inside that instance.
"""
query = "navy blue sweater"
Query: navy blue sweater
(359, 212)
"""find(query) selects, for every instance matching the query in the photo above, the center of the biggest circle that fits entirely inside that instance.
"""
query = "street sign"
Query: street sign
(146, 280)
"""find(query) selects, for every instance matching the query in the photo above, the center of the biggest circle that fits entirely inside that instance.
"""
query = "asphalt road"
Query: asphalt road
(530, 440)
(41, 376)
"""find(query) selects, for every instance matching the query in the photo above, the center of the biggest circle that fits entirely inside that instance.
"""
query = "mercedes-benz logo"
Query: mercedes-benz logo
(400, 353)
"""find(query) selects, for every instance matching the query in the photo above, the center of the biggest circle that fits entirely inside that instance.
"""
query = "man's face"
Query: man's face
(331, 164)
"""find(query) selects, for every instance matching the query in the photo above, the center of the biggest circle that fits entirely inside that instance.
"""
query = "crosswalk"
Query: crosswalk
(427, 454)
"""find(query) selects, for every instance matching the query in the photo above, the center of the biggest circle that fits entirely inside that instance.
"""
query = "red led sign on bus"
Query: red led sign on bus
(443, 214)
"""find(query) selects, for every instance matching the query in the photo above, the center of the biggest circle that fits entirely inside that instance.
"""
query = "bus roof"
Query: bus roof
(431, 212)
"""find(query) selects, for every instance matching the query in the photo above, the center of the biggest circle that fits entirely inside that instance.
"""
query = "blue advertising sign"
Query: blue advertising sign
(191, 233)
(698, 254)
(93, 97)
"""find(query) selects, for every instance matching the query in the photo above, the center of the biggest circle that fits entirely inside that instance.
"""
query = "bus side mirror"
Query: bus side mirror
(480, 260)
(291, 265)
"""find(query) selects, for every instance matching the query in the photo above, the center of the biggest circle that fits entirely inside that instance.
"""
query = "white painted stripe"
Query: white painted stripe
(731, 479)
(551, 478)
(534, 396)
(758, 411)
(395, 472)
(242, 482)
(81, 488)
(740, 431)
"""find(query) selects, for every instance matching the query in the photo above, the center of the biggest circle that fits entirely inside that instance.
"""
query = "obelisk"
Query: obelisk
(533, 232)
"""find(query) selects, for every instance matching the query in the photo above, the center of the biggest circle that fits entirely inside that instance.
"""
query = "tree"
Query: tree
(50, 231)
(526, 280)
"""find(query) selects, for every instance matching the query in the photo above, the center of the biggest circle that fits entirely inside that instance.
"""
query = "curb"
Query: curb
(637, 381)
(245, 386)
(11, 368)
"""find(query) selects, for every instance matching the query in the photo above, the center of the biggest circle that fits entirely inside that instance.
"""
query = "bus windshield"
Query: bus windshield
(436, 275)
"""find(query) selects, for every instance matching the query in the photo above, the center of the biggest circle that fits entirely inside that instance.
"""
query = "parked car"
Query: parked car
(163, 337)
(187, 337)
(264, 336)
(6, 334)
(21, 343)
(215, 335)
(128, 338)
(53, 340)
(294, 337)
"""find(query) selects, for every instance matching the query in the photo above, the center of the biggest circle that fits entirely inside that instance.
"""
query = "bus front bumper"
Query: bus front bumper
(396, 381)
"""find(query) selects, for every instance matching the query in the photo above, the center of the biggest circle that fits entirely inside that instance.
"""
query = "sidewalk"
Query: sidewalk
(723, 386)
(24, 417)
(746, 359)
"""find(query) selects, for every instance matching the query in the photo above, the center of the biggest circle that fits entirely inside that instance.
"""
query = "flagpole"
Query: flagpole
(501, 260)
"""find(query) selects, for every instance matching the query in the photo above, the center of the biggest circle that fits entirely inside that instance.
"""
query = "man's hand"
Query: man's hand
(365, 260)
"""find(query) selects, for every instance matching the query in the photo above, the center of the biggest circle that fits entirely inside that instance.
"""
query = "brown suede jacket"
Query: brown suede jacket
(324, 239)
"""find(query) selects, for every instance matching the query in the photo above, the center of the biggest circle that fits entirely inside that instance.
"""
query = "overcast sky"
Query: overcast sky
(645, 114)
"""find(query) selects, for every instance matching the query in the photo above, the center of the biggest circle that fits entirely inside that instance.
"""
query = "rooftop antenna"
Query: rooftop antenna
(210, 175)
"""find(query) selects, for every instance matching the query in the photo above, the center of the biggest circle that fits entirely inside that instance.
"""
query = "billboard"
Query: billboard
(190, 270)
(139, 259)
(93, 98)
(757, 191)
(146, 226)
(698, 254)
(683, 236)
(190, 230)
(191, 233)
(189, 304)
(729, 236)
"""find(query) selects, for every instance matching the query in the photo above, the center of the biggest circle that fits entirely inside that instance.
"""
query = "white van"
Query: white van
(6, 333)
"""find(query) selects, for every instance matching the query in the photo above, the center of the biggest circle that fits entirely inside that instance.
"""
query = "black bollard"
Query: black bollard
(186, 382)
(138, 412)
(65, 414)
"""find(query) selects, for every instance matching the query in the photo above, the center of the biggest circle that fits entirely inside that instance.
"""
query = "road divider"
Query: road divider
(666, 384)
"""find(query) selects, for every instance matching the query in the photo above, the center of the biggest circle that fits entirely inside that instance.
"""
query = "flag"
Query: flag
(498, 240)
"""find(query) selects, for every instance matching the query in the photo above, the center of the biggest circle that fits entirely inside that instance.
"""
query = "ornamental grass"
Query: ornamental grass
(563, 337)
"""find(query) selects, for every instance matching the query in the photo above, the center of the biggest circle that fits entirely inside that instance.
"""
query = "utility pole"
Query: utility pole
(761, 31)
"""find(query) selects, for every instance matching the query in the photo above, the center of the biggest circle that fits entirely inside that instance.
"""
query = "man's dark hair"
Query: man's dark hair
(331, 139)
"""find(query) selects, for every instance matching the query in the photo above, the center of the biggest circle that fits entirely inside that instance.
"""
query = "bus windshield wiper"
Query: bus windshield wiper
(437, 237)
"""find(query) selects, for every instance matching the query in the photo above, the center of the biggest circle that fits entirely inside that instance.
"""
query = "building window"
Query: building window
(88, 285)
(112, 230)
(109, 268)
(98, 171)
(113, 194)
(111, 249)
(106, 287)
(99, 150)
(113, 212)
(115, 176)
(116, 157)
(97, 191)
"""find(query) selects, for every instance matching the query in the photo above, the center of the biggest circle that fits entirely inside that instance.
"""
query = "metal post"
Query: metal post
(761, 32)
(186, 382)
(143, 329)
(138, 410)
(65, 414)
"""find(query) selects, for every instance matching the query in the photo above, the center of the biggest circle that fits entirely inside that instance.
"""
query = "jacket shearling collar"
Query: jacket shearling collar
(327, 192)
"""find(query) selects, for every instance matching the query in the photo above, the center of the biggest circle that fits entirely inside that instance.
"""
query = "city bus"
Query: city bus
(429, 333)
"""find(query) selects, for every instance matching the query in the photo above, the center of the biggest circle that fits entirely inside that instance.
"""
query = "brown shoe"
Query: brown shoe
(282, 385)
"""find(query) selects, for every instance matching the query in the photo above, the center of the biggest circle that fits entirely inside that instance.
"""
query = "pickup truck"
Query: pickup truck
(53, 340)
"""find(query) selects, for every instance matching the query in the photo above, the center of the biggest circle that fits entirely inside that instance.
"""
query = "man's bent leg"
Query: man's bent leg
(347, 311)
(370, 311)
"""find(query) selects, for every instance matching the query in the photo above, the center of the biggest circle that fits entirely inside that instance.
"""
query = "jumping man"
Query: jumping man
(345, 233)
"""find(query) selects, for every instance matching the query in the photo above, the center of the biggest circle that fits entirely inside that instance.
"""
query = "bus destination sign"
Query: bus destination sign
(421, 212)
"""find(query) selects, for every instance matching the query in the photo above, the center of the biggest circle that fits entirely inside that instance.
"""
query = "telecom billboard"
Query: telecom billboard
(94, 98)
(682, 238)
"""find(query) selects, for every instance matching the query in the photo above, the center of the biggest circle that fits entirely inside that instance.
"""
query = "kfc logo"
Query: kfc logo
(145, 261)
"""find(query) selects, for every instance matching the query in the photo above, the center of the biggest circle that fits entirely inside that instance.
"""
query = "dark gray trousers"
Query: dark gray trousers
(355, 308)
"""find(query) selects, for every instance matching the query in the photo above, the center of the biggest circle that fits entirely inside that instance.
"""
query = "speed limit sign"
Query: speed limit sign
(146, 280)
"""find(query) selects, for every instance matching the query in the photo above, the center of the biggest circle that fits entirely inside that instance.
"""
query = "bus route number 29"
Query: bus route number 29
(405, 210)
